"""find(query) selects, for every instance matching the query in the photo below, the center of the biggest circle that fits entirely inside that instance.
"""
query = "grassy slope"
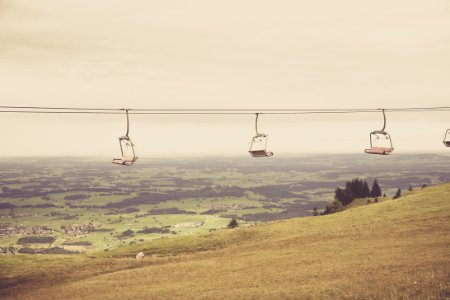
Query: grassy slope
(394, 249)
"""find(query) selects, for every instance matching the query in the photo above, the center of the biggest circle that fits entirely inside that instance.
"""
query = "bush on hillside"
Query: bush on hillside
(335, 206)
(233, 224)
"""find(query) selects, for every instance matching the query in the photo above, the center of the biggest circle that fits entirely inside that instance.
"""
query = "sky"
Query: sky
(222, 54)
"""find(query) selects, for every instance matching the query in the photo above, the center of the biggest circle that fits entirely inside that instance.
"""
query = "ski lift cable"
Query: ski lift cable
(186, 113)
(206, 111)
(224, 109)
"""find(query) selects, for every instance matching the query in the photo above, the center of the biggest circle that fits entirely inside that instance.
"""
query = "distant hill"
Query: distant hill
(393, 249)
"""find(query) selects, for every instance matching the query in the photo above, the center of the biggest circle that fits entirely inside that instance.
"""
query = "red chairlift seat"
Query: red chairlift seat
(379, 150)
(126, 161)
(261, 153)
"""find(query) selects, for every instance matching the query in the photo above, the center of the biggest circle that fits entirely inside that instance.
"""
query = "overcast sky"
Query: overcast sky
(222, 54)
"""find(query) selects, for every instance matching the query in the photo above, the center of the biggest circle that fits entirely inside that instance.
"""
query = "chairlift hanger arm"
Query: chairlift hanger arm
(384, 120)
(128, 123)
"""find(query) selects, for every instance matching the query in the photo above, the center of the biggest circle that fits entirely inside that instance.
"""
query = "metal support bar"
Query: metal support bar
(256, 124)
(128, 122)
(384, 116)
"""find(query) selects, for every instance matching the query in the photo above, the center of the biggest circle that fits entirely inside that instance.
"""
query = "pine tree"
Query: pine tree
(376, 190)
(398, 194)
(366, 190)
(343, 196)
(349, 190)
(315, 211)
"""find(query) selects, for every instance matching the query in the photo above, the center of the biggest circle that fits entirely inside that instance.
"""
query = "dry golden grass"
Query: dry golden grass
(397, 249)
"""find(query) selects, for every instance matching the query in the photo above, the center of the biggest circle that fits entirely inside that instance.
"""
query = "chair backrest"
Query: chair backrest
(382, 144)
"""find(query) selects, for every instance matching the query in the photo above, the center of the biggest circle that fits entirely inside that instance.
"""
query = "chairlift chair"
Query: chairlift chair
(258, 144)
(447, 138)
(380, 141)
(126, 148)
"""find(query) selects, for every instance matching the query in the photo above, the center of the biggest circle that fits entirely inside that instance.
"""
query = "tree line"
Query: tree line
(356, 188)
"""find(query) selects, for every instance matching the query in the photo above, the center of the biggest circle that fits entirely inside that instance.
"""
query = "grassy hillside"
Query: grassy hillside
(393, 249)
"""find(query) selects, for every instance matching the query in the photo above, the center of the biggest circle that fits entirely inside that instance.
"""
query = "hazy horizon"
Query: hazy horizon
(224, 156)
